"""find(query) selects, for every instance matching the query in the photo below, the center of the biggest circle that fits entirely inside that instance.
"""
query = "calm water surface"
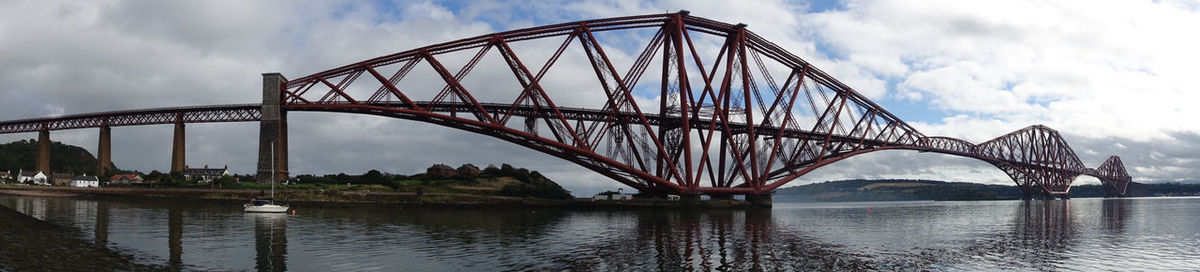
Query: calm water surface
(1071, 235)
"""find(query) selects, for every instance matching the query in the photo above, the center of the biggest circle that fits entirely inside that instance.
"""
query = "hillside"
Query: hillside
(894, 190)
(495, 181)
(902, 190)
(64, 158)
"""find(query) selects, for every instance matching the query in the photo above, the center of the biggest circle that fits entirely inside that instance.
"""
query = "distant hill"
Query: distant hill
(894, 190)
(505, 180)
(64, 158)
(902, 190)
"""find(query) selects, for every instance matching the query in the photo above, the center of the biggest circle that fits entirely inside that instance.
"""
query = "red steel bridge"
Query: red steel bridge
(701, 107)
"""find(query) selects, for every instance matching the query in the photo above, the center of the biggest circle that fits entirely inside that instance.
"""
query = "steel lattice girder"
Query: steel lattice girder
(1113, 176)
(651, 150)
(722, 123)
(195, 114)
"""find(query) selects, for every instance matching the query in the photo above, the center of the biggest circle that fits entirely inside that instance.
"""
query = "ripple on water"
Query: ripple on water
(1075, 235)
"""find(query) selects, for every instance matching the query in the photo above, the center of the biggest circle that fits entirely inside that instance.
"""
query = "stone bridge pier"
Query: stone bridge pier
(104, 152)
(43, 160)
(272, 133)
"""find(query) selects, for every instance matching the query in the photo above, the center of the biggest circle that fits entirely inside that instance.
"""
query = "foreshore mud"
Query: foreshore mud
(29, 244)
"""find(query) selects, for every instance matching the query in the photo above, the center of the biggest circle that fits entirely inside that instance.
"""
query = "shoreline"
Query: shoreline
(336, 198)
(28, 242)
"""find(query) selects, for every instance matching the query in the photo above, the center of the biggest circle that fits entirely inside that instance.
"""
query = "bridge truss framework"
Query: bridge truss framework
(721, 123)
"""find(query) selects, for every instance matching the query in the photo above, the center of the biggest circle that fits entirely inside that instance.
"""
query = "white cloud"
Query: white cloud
(1104, 68)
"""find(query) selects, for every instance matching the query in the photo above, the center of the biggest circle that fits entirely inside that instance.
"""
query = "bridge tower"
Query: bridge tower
(272, 131)
(1114, 177)
(1037, 158)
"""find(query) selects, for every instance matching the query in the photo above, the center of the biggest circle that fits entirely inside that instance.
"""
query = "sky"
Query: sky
(1113, 77)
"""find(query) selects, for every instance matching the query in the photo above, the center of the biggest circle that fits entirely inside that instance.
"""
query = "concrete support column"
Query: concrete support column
(759, 201)
(281, 151)
(272, 133)
(104, 152)
(178, 158)
(43, 159)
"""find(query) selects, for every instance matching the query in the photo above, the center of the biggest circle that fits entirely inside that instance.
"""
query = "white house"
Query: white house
(205, 175)
(85, 181)
(38, 178)
(610, 195)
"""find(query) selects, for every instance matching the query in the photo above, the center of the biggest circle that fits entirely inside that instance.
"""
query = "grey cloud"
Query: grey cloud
(1179, 160)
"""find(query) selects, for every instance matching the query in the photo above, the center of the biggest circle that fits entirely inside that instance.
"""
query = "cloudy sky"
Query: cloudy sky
(1114, 77)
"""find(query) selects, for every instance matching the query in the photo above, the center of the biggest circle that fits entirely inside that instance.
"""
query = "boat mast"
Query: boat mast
(272, 171)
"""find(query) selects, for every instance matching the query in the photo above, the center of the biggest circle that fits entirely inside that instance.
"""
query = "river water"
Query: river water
(1068, 235)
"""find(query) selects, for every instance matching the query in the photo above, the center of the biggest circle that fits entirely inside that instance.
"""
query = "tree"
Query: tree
(225, 181)
(491, 171)
(373, 177)
(154, 175)
(507, 170)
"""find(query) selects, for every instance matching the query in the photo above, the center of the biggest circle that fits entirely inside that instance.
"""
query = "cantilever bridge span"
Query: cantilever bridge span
(698, 107)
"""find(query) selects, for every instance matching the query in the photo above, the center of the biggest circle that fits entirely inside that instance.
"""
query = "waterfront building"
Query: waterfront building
(126, 179)
(36, 177)
(610, 195)
(205, 175)
(62, 179)
(85, 181)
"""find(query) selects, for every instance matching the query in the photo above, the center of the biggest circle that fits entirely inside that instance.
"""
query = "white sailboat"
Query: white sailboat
(266, 205)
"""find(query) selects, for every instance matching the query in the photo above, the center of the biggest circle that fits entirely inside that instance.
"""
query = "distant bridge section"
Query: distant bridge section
(106, 120)
(140, 117)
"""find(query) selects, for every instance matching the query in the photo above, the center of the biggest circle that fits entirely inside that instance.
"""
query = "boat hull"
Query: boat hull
(269, 208)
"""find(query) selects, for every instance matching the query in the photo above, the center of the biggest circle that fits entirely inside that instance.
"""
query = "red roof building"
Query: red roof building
(125, 179)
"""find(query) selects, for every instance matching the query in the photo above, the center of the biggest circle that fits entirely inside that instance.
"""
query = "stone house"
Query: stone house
(468, 170)
(62, 179)
(441, 170)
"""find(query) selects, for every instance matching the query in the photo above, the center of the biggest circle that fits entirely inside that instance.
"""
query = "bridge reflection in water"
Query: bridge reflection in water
(999, 235)
(712, 240)
(1115, 213)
